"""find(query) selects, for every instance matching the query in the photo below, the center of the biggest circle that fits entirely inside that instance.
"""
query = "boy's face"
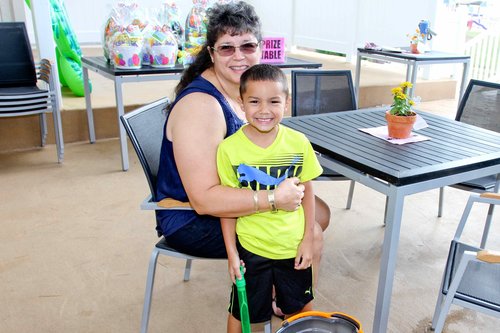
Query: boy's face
(264, 104)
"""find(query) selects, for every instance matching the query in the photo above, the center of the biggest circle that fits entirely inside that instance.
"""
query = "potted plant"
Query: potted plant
(415, 38)
(400, 118)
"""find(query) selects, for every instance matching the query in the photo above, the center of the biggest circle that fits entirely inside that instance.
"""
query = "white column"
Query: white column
(42, 25)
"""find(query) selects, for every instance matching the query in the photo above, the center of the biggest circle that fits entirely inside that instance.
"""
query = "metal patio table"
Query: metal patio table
(456, 152)
(412, 61)
(101, 66)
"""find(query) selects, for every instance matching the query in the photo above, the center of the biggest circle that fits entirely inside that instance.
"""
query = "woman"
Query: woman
(205, 111)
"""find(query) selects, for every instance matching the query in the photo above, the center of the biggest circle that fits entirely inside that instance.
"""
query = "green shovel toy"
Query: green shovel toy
(242, 297)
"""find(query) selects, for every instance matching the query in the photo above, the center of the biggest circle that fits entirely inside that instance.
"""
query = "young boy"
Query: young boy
(275, 246)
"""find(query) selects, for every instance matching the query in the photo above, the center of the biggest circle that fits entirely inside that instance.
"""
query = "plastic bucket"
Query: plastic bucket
(163, 55)
(127, 56)
(321, 322)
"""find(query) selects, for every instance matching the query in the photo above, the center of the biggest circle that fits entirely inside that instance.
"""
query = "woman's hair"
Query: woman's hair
(233, 18)
(264, 72)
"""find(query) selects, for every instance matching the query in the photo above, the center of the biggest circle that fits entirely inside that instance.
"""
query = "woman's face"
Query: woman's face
(232, 55)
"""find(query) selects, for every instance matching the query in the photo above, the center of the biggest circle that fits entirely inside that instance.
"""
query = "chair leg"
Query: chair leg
(489, 217)
(187, 269)
(350, 195)
(438, 323)
(385, 210)
(439, 305)
(43, 129)
(267, 327)
(487, 225)
(149, 290)
(56, 114)
(465, 216)
(441, 199)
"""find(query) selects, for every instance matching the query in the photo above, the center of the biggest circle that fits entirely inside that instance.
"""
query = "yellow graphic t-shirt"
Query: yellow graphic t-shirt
(242, 164)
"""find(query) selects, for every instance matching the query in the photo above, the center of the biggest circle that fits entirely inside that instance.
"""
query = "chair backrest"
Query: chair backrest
(321, 91)
(480, 105)
(144, 127)
(17, 67)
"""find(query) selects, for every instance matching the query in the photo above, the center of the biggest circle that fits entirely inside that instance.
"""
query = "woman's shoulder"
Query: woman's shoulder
(198, 90)
(202, 83)
(198, 100)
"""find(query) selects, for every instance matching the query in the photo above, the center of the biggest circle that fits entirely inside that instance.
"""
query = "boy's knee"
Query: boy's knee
(318, 239)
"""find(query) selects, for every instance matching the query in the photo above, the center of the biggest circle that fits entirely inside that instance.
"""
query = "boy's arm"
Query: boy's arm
(304, 256)
(228, 226)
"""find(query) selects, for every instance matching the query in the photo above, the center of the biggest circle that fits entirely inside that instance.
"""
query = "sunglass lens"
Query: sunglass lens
(226, 50)
(248, 48)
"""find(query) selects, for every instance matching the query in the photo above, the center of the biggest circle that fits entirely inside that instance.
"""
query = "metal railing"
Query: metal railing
(484, 50)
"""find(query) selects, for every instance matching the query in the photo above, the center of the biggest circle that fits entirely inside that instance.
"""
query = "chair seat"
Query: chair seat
(480, 282)
(484, 183)
(163, 245)
(24, 90)
(19, 93)
(329, 173)
(24, 100)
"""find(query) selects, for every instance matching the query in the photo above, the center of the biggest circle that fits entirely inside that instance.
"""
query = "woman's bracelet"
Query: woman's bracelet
(256, 201)
(270, 198)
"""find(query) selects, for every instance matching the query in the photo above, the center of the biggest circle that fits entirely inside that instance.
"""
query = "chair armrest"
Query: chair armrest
(165, 204)
(44, 70)
(490, 195)
(492, 257)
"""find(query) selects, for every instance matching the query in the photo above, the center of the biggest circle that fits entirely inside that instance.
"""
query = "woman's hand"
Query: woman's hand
(288, 195)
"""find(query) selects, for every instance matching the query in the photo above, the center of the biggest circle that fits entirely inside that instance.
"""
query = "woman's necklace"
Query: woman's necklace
(232, 103)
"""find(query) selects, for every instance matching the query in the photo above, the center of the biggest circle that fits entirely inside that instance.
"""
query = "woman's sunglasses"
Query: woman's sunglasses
(228, 50)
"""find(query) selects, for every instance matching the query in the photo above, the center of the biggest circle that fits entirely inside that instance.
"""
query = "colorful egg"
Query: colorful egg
(136, 60)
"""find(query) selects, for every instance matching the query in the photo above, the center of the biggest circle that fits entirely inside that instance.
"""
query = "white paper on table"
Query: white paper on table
(420, 123)
(381, 132)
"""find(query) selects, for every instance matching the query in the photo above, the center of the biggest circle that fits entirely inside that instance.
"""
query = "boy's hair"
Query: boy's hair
(263, 72)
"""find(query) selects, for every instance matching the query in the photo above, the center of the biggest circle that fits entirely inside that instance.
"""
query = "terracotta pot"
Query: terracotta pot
(414, 48)
(400, 127)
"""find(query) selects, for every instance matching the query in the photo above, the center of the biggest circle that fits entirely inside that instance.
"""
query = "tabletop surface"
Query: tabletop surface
(100, 63)
(427, 56)
(454, 146)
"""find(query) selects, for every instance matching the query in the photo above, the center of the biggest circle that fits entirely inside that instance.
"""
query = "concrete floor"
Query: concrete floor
(74, 249)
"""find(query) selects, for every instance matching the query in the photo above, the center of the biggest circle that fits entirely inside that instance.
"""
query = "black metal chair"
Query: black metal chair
(323, 91)
(480, 106)
(144, 127)
(26, 89)
(472, 274)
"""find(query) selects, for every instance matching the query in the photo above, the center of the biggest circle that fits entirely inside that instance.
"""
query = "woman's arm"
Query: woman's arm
(196, 127)
(305, 251)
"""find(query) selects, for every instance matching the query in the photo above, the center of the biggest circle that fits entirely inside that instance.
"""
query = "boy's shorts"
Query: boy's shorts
(293, 287)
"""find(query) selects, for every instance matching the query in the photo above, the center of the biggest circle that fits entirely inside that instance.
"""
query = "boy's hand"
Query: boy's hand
(234, 264)
(303, 260)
